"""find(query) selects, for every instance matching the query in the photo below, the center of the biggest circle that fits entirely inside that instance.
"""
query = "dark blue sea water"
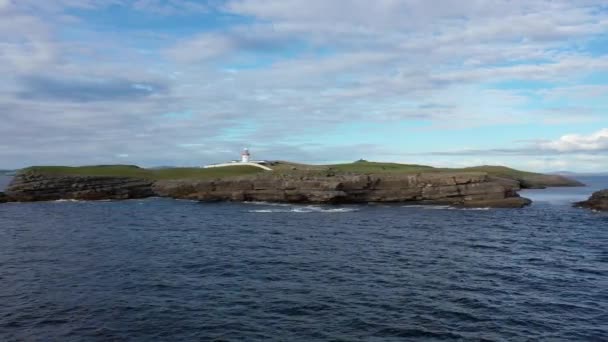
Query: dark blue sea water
(165, 270)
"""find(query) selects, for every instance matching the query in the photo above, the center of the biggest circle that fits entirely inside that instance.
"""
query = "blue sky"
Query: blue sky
(168, 82)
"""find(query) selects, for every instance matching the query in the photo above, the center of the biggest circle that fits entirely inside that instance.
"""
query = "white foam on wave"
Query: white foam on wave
(474, 209)
(443, 207)
(268, 203)
(429, 206)
(265, 211)
(67, 200)
(324, 210)
(305, 209)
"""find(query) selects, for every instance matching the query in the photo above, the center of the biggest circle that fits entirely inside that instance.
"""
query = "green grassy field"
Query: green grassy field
(376, 167)
(156, 174)
(360, 167)
(367, 167)
(500, 171)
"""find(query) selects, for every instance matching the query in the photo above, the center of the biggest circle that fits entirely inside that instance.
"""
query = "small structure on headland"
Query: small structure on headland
(245, 155)
(244, 161)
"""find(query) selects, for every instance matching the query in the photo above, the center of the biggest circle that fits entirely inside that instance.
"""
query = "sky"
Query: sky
(522, 83)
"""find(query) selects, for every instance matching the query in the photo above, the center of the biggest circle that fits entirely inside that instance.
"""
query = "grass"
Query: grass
(375, 167)
(500, 171)
(281, 167)
(155, 174)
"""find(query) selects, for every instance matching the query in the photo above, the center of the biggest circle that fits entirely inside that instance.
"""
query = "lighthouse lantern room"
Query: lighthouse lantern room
(245, 156)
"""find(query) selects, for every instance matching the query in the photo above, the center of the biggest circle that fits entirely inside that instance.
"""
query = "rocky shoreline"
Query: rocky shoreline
(597, 201)
(468, 189)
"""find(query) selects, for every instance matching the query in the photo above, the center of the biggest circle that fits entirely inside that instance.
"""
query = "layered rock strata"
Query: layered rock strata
(597, 201)
(29, 187)
(541, 181)
(466, 189)
(470, 189)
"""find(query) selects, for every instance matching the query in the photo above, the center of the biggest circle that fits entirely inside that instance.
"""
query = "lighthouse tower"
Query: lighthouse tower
(245, 156)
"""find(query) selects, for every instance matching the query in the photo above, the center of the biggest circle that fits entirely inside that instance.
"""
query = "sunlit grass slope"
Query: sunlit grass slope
(281, 167)
(156, 174)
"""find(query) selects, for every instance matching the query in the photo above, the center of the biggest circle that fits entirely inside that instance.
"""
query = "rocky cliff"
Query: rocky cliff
(466, 189)
(30, 186)
(472, 189)
(597, 201)
(544, 181)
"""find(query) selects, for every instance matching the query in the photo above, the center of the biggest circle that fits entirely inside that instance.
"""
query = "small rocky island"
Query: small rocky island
(359, 182)
(597, 201)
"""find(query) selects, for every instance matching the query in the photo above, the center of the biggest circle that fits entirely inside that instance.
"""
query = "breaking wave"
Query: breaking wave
(287, 208)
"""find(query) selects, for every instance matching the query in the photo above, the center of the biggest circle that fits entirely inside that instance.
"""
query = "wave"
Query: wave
(443, 207)
(306, 209)
(268, 203)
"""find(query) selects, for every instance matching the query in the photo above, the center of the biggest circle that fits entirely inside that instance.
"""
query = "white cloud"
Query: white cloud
(170, 7)
(200, 48)
(297, 71)
(4, 4)
(597, 141)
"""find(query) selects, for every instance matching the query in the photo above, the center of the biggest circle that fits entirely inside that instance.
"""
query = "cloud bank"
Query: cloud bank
(430, 82)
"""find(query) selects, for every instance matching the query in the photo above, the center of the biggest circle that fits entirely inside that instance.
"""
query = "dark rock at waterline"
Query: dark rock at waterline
(468, 189)
(459, 188)
(597, 201)
(3, 198)
(541, 181)
(30, 186)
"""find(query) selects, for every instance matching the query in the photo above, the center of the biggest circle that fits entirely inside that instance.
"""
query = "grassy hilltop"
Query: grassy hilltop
(281, 167)
(526, 179)
(137, 172)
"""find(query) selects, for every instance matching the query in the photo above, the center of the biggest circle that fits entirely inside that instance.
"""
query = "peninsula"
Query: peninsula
(358, 182)
(598, 201)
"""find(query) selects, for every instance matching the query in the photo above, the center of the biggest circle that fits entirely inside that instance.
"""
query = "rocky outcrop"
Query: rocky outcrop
(466, 189)
(597, 201)
(470, 189)
(29, 187)
(540, 181)
(3, 197)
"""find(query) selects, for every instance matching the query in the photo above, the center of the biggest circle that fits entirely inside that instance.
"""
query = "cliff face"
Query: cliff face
(28, 187)
(597, 201)
(545, 181)
(472, 189)
(466, 189)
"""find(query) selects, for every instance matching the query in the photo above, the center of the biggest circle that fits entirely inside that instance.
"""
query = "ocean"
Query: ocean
(169, 270)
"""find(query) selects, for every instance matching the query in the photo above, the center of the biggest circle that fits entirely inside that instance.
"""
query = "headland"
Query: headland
(358, 182)
(598, 201)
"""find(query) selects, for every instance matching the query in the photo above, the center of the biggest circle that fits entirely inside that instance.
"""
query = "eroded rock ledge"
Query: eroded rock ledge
(597, 201)
(540, 181)
(30, 187)
(466, 189)
(470, 189)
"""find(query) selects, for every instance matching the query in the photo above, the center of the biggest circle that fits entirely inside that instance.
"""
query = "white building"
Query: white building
(245, 156)
(245, 161)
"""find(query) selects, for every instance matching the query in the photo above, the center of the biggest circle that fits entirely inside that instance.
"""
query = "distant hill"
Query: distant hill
(583, 174)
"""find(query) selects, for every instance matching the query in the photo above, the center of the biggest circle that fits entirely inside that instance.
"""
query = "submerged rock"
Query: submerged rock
(597, 201)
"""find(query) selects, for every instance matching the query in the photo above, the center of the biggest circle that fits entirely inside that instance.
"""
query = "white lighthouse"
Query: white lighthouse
(245, 161)
(245, 156)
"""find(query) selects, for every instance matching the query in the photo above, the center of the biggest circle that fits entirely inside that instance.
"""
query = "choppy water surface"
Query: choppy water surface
(156, 269)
